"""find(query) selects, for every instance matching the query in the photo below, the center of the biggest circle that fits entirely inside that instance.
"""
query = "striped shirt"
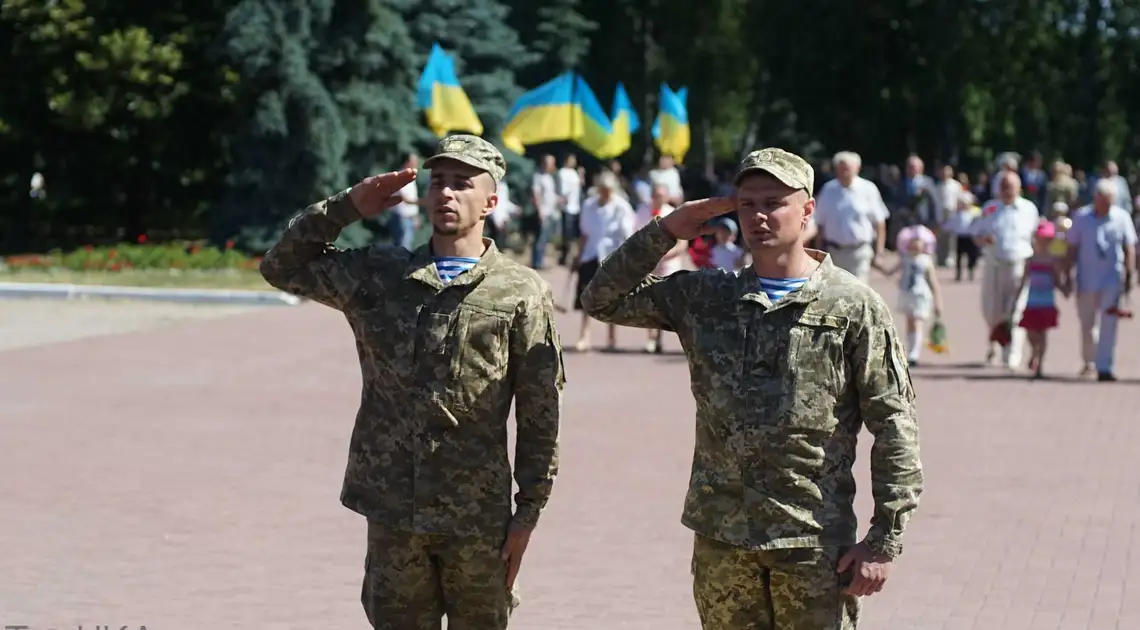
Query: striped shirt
(448, 267)
(777, 288)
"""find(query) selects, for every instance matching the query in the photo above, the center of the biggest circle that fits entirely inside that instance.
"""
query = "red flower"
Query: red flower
(88, 247)
(229, 244)
(142, 239)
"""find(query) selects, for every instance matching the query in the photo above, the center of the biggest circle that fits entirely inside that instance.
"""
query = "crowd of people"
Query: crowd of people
(1039, 234)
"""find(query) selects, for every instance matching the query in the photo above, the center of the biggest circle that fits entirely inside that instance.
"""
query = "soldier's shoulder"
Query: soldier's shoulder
(514, 281)
(844, 294)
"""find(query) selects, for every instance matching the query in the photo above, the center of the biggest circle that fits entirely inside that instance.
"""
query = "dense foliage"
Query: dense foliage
(218, 118)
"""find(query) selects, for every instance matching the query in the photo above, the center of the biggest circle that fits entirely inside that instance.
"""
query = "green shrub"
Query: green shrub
(125, 256)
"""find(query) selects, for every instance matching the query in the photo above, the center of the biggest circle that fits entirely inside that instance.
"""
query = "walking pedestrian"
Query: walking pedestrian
(570, 200)
(607, 221)
(544, 195)
(448, 336)
(1005, 233)
(789, 359)
(659, 207)
(1042, 279)
(851, 217)
(1102, 250)
(959, 225)
(919, 293)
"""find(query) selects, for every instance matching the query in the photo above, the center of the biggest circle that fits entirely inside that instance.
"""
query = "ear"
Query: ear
(492, 203)
(809, 209)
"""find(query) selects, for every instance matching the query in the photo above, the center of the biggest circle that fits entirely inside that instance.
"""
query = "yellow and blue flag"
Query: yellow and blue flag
(564, 108)
(445, 104)
(671, 130)
(624, 121)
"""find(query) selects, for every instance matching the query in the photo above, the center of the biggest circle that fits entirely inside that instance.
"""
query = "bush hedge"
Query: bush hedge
(127, 256)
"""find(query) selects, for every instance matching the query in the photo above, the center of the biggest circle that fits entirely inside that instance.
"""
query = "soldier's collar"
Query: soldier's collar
(749, 284)
(421, 267)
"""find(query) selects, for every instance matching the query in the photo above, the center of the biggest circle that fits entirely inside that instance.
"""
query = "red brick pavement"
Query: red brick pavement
(187, 478)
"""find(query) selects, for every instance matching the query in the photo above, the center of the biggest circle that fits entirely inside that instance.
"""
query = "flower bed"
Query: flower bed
(141, 256)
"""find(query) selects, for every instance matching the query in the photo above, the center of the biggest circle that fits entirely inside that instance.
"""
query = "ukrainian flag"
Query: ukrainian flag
(624, 121)
(564, 108)
(671, 130)
(445, 104)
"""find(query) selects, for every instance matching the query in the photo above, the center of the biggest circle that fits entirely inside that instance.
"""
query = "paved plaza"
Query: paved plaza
(184, 475)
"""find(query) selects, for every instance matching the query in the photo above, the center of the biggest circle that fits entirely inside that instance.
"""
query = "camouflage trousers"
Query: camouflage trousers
(783, 589)
(412, 580)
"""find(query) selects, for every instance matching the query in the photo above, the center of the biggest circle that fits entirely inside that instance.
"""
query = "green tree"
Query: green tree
(328, 91)
(103, 107)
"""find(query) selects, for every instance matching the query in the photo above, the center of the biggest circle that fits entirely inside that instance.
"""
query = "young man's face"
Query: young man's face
(771, 214)
(459, 198)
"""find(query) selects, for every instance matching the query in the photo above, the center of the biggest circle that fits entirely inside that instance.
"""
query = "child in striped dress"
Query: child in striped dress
(1042, 276)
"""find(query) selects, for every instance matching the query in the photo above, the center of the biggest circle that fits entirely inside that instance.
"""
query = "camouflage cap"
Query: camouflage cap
(473, 151)
(789, 168)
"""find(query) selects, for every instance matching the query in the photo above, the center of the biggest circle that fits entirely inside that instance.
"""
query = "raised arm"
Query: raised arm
(305, 263)
(625, 292)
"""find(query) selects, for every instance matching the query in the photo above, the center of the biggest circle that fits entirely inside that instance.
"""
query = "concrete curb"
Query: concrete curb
(183, 296)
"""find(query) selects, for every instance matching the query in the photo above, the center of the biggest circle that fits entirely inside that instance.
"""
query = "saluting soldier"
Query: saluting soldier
(447, 336)
(789, 359)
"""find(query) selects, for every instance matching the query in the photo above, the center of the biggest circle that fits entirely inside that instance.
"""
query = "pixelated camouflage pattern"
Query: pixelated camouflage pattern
(412, 580)
(789, 168)
(440, 366)
(781, 391)
(778, 589)
(473, 151)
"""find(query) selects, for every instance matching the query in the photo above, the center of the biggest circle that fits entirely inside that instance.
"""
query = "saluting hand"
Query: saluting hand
(378, 193)
(689, 220)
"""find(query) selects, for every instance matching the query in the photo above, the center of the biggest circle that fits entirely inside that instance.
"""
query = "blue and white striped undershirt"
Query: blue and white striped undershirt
(448, 267)
(777, 288)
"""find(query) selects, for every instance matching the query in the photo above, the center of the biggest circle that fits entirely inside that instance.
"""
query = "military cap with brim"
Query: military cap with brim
(792, 170)
(473, 151)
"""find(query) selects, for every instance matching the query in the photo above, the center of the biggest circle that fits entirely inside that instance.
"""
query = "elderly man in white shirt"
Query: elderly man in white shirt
(607, 220)
(850, 217)
(1005, 233)
(1102, 249)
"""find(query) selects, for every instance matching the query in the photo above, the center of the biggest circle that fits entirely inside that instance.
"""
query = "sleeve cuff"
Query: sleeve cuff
(658, 236)
(525, 519)
(889, 546)
(339, 208)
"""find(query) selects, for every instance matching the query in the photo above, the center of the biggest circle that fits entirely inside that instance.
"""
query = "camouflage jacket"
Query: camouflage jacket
(440, 367)
(782, 391)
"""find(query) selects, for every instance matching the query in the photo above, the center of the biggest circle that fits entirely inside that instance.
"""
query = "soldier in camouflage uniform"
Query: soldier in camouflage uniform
(788, 359)
(447, 336)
